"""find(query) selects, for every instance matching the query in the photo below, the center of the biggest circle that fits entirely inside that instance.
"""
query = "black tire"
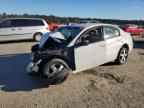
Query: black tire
(57, 76)
(122, 56)
(37, 37)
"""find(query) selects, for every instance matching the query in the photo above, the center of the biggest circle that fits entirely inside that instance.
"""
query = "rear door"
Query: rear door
(23, 30)
(113, 42)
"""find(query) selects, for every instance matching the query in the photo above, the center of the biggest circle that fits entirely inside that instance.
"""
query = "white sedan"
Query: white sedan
(79, 47)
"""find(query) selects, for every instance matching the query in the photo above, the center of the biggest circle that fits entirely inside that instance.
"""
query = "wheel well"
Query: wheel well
(126, 46)
(62, 58)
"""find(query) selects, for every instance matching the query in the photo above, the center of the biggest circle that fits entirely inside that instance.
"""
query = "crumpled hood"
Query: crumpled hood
(57, 36)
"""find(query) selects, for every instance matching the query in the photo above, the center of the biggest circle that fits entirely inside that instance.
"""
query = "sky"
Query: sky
(106, 9)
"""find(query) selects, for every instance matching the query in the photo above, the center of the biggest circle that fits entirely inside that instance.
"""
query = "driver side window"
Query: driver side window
(91, 36)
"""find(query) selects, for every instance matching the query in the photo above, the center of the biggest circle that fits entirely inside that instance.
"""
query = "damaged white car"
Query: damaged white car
(79, 47)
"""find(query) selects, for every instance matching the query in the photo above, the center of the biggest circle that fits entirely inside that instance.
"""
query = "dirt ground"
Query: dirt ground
(106, 86)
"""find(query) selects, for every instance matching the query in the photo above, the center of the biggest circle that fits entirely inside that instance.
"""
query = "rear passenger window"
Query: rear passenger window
(35, 23)
(19, 23)
(111, 32)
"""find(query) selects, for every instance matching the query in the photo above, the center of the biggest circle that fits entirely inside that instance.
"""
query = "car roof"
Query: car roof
(87, 25)
(24, 18)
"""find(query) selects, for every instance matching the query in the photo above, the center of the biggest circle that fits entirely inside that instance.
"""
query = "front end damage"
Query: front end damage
(40, 57)
(53, 46)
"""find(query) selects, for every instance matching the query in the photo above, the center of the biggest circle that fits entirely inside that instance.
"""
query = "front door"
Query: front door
(90, 49)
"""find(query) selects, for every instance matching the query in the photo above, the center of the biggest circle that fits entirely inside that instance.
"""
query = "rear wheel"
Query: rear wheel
(122, 56)
(37, 37)
(55, 29)
(56, 71)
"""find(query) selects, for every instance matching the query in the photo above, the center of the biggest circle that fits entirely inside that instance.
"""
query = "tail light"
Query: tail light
(47, 28)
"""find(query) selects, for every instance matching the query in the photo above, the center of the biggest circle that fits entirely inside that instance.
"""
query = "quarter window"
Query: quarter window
(6, 24)
(111, 32)
(35, 23)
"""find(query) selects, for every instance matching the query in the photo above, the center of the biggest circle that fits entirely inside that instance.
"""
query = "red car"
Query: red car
(132, 29)
(53, 26)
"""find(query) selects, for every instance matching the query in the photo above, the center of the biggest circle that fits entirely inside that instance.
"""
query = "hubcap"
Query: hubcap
(123, 56)
(56, 68)
(38, 37)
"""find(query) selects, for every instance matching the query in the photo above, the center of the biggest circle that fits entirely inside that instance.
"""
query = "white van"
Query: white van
(22, 29)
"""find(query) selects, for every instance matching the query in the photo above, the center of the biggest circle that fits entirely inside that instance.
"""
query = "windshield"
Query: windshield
(69, 32)
(121, 26)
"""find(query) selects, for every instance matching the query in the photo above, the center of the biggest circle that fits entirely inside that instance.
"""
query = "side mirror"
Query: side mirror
(85, 40)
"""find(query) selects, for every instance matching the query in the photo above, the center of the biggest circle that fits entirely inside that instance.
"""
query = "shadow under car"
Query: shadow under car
(13, 76)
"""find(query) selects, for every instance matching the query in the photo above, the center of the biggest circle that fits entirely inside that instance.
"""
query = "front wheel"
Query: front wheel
(122, 56)
(56, 71)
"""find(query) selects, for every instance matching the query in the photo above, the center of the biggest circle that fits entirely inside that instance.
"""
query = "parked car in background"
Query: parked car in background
(79, 47)
(53, 26)
(22, 29)
(142, 31)
(132, 29)
(140, 26)
(89, 21)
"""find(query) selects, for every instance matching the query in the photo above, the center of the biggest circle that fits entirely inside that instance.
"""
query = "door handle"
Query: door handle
(118, 40)
(102, 45)
(20, 29)
(12, 29)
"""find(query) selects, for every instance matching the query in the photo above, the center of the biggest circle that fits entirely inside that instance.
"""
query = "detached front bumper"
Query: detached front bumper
(32, 66)
(29, 67)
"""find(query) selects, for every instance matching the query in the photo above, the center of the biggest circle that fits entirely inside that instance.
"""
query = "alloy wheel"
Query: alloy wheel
(123, 56)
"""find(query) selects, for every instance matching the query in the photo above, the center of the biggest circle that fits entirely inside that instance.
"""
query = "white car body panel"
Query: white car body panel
(113, 46)
(90, 55)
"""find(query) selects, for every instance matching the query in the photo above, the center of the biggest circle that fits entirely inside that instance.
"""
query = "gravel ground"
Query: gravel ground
(106, 86)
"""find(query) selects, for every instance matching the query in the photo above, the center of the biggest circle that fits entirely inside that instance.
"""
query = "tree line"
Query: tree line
(66, 20)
